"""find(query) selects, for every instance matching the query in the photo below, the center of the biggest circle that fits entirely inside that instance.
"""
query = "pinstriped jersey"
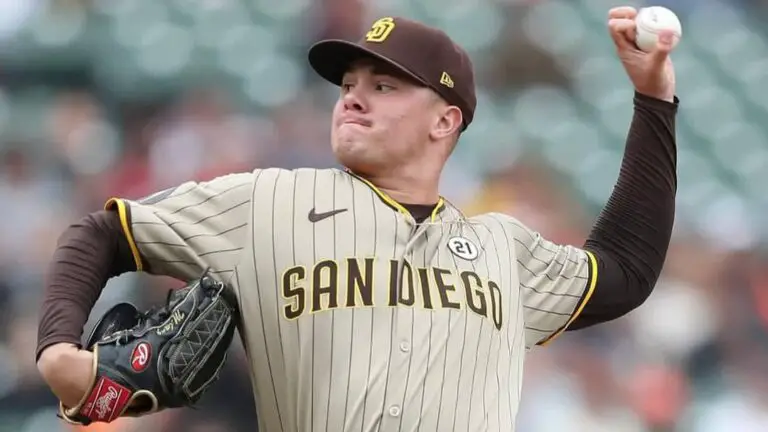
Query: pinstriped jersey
(355, 317)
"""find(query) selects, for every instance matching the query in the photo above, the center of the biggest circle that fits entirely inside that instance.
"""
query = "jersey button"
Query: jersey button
(405, 346)
(394, 410)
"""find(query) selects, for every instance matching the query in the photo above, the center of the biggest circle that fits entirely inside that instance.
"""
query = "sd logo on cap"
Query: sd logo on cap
(380, 30)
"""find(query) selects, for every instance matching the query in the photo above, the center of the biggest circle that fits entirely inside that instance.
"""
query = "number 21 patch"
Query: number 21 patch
(463, 248)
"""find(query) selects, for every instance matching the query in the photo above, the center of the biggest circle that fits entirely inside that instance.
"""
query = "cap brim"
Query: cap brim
(332, 58)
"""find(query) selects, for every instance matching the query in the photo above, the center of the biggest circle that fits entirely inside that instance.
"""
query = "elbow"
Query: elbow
(91, 225)
(622, 286)
(641, 292)
(647, 273)
(640, 280)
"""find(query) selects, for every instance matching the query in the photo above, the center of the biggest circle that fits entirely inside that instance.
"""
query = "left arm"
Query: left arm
(631, 237)
(568, 288)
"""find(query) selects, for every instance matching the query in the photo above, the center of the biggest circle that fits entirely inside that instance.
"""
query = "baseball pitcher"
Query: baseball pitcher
(365, 300)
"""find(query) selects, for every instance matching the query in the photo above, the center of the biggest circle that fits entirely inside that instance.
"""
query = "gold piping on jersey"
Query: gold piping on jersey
(122, 211)
(587, 296)
(438, 208)
(396, 205)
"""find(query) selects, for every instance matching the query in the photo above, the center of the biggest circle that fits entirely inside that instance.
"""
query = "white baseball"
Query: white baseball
(652, 20)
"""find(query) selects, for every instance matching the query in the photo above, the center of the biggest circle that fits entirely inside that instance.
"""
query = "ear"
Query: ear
(448, 122)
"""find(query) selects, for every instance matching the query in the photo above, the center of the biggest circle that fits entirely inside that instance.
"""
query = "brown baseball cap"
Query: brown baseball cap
(424, 53)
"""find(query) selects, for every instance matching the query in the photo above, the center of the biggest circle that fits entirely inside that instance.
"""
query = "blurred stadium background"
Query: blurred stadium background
(103, 98)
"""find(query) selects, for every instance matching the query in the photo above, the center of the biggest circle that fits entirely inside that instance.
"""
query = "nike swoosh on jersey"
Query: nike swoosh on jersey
(317, 217)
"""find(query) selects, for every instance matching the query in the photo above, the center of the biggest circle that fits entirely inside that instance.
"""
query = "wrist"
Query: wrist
(664, 97)
(53, 356)
(642, 100)
(68, 371)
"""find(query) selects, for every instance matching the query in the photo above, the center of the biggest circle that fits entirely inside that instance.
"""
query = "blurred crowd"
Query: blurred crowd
(691, 359)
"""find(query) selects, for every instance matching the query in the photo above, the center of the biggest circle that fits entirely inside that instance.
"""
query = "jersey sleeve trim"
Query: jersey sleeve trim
(592, 282)
(124, 212)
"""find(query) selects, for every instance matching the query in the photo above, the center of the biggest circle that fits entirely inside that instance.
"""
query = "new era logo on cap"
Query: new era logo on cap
(425, 53)
(446, 80)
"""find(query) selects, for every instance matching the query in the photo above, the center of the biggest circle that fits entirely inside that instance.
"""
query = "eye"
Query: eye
(384, 87)
(345, 87)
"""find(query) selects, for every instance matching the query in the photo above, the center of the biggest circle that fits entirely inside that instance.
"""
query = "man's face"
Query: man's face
(382, 119)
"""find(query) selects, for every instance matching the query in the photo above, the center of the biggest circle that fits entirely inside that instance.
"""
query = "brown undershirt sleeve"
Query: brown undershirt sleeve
(631, 237)
(88, 254)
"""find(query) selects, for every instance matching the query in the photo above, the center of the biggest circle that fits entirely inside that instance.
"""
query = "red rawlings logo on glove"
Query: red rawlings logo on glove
(107, 401)
(140, 356)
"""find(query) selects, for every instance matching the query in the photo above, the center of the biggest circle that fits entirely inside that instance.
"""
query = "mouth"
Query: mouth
(355, 121)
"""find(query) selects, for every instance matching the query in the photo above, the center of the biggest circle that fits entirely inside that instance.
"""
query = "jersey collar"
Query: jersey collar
(389, 201)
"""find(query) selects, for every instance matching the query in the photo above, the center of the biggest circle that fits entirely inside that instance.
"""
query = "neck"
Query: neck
(407, 188)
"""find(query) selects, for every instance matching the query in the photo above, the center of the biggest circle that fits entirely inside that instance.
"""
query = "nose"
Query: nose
(353, 101)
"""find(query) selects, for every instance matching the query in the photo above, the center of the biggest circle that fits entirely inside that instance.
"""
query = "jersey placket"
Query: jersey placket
(401, 353)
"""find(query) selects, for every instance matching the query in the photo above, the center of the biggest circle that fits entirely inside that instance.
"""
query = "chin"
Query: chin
(349, 155)
(347, 142)
(355, 155)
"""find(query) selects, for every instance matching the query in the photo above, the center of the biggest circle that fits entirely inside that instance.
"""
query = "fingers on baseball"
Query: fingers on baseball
(667, 40)
(627, 12)
(623, 31)
(664, 46)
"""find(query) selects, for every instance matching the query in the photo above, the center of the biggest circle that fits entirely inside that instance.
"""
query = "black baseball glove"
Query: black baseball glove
(164, 358)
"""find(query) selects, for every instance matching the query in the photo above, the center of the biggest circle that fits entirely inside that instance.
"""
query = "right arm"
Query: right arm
(177, 233)
(88, 253)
